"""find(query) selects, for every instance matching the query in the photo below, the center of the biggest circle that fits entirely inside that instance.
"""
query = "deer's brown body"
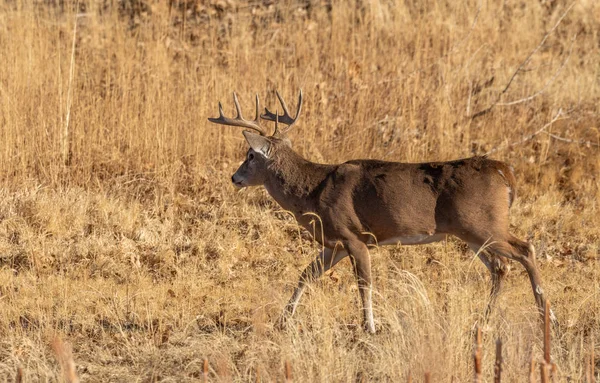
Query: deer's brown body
(387, 200)
(361, 202)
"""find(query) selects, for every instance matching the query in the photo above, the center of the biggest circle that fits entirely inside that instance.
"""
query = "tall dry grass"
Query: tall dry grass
(119, 230)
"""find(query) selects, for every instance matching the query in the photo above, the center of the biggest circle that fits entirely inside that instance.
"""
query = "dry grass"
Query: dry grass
(120, 232)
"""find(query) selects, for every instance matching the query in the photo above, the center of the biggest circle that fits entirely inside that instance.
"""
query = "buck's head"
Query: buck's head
(263, 147)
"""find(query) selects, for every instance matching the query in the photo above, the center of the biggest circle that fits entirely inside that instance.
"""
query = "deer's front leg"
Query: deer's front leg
(326, 259)
(361, 261)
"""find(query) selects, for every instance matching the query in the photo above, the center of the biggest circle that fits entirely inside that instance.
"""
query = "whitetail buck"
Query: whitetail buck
(393, 202)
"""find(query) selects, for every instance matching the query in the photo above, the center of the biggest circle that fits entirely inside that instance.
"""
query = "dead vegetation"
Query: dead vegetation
(121, 234)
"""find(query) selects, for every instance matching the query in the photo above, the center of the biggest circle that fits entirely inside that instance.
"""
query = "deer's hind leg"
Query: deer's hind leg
(524, 253)
(498, 268)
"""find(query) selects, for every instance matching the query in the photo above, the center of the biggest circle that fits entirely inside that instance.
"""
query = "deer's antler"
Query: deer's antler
(285, 118)
(239, 119)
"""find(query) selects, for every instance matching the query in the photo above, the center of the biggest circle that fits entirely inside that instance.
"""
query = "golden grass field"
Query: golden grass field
(121, 233)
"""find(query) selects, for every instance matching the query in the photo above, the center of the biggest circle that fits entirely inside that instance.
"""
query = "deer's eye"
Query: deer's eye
(250, 156)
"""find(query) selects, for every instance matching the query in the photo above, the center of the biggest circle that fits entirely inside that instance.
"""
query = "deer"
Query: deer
(359, 202)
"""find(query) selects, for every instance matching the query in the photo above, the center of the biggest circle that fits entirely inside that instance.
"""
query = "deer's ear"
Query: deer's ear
(260, 144)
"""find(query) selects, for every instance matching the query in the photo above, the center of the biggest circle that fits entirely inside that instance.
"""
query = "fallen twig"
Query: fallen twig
(570, 141)
(522, 65)
(547, 84)
(557, 117)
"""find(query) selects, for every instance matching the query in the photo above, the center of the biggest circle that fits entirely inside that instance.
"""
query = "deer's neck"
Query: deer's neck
(292, 180)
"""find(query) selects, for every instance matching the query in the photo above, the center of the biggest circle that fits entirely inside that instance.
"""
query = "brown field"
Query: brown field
(121, 234)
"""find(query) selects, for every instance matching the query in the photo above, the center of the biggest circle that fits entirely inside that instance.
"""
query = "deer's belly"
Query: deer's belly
(419, 239)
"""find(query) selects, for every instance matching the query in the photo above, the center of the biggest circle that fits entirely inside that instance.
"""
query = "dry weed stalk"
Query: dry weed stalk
(205, 371)
(63, 352)
(532, 368)
(477, 356)
(593, 358)
(547, 368)
(498, 363)
(288, 371)
(590, 363)
(545, 374)
(19, 377)
(547, 333)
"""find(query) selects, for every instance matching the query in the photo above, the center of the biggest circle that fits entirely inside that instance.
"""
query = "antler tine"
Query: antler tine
(220, 112)
(285, 118)
(299, 106)
(239, 119)
(282, 102)
(257, 114)
(237, 107)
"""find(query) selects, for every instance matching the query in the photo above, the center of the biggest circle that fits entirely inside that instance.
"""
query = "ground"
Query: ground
(121, 235)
